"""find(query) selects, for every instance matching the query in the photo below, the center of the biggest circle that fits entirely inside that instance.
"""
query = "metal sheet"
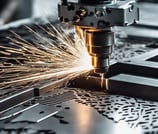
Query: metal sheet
(76, 118)
(37, 114)
(16, 99)
(134, 86)
(122, 84)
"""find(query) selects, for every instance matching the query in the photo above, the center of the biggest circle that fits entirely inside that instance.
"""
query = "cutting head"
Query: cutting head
(93, 20)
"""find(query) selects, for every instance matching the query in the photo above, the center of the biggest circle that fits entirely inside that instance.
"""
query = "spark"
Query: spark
(107, 84)
(60, 55)
(102, 80)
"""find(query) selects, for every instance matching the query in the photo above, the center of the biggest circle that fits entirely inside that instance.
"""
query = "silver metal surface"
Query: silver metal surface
(37, 114)
(76, 118)
(6, 115)
(91, 112)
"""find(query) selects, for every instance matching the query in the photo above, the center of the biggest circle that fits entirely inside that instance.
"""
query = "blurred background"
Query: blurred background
(12, 10)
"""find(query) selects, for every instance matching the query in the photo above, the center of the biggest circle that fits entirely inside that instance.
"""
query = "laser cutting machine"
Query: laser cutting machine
(81, 106)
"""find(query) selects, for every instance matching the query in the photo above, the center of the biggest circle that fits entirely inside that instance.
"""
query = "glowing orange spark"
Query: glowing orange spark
(62, 55)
